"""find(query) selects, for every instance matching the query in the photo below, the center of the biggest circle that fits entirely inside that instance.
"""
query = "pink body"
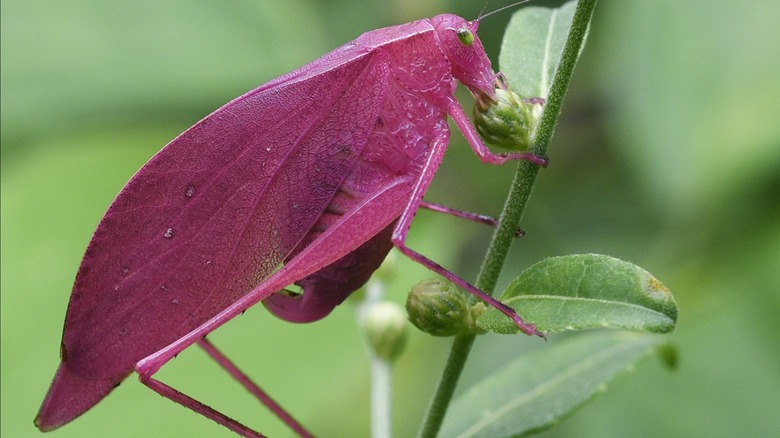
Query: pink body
(302, 180)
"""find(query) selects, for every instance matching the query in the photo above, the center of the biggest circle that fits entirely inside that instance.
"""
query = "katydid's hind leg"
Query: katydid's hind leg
(146, 370)
(253, 388)
(474, 217)
(194, 405)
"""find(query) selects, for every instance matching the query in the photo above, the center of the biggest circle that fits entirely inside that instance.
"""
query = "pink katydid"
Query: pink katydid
(309, 179)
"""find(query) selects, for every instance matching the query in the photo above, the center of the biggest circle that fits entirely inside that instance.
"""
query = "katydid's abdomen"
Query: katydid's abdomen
(308, 179)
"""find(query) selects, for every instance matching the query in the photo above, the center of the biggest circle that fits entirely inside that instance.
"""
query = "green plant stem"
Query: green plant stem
(381, 371)
(381, 378)
(525, 177)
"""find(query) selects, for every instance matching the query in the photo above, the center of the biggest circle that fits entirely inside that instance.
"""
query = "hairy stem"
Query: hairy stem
(510, 217)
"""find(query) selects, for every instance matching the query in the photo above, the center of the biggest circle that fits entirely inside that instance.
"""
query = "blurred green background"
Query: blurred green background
(667, 155)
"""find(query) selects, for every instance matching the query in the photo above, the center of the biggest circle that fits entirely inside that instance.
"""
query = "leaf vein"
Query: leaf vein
(539, 390)
(545, 82)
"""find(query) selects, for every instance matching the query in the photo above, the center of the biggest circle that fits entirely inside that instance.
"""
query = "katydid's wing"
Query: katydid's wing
(209, 218)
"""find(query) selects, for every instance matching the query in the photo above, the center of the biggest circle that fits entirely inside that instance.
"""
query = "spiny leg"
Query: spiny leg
(474, 217)
(183, 399)
(192, 404)
(485, 155)
(148, 366)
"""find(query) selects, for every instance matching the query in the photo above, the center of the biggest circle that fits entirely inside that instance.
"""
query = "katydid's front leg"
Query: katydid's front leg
(404, 223)
(464, 124)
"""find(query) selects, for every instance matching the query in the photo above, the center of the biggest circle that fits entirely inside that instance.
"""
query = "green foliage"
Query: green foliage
(532, 46)
(514, 207)
(562, 293)
(580, 292)
(537, 390)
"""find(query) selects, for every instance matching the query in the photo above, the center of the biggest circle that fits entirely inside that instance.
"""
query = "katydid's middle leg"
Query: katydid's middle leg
(474, 217)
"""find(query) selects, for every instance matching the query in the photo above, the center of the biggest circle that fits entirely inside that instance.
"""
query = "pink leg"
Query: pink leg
(501, 82)
(220, 418)
(534, 100)
(405, 221)
(464, 124)
(189, 402)
(474, 217)
(149, 365)
(252, 387)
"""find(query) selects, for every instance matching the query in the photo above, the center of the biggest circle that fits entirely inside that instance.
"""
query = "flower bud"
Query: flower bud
(384, 325)
(504, 120)
(439, 308)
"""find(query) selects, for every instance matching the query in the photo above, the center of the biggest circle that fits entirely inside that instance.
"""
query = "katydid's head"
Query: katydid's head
(470, 64)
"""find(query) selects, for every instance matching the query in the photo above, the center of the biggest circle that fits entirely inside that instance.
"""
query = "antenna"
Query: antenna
(500, 9)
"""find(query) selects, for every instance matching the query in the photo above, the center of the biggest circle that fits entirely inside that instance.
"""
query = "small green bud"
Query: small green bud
(384, 325)
(668, 355)
(504, 120)
(439, 308)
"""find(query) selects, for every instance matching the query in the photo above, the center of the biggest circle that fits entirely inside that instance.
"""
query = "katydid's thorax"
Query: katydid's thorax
(418, 89)
(397, 147)
(422, 62)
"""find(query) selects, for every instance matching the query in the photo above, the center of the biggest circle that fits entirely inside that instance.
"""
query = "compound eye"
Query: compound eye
(465, 36)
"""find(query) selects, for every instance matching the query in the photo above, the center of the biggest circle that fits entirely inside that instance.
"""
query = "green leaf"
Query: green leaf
(532, 47)
(537, 391)
(586, 291)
